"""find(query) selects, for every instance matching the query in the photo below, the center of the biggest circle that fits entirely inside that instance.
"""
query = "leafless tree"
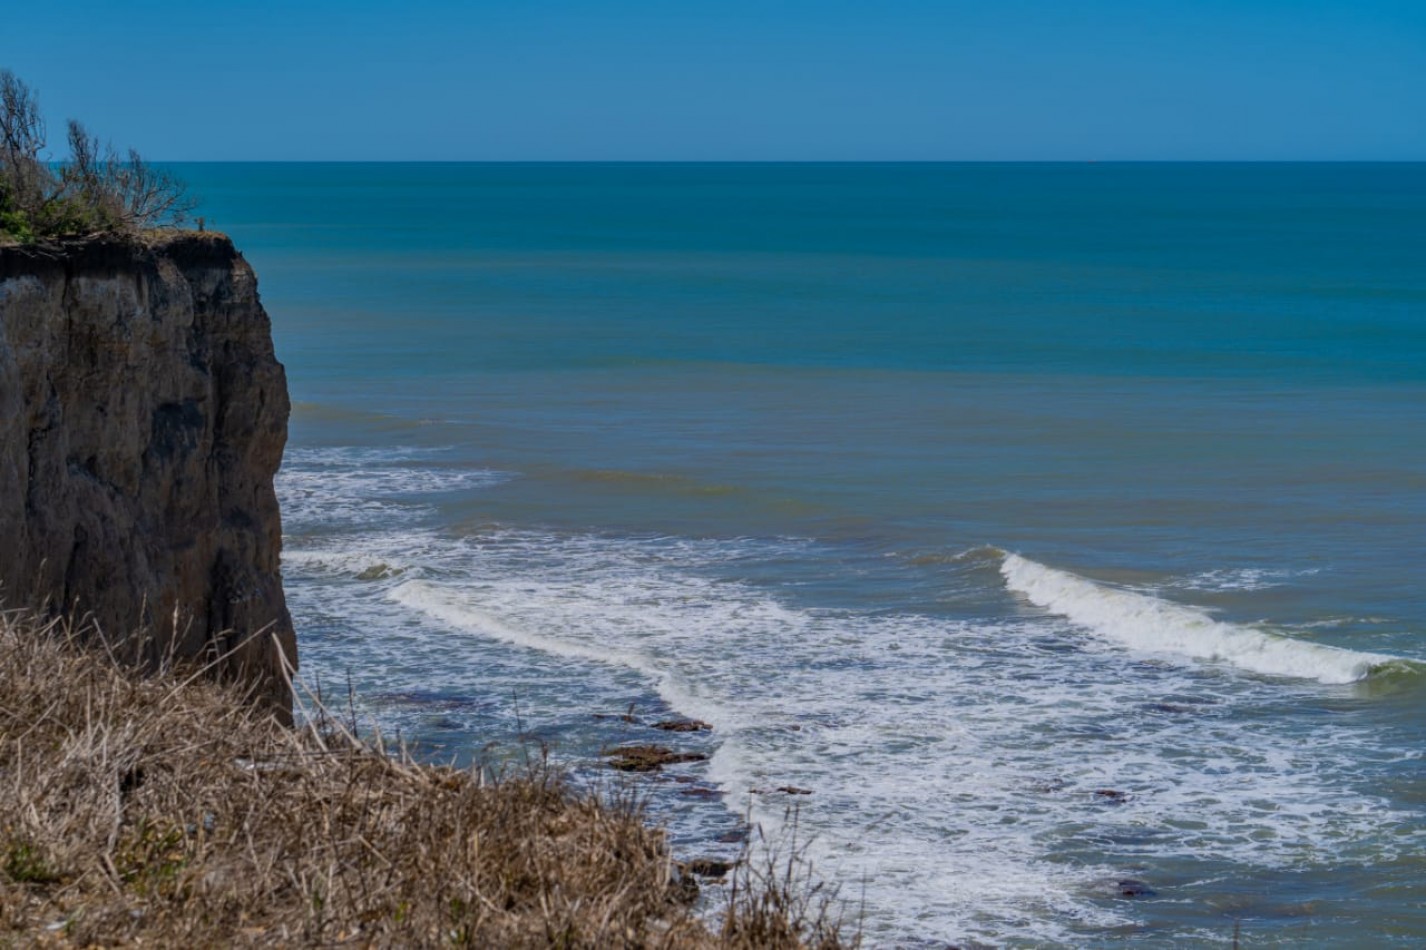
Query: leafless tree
(22, 128)
(151, 196)
(85, 180)
(125, 192)
(24, 179)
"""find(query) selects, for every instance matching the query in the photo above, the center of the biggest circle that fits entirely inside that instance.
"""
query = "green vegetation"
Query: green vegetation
(95, 191)
(24, 865)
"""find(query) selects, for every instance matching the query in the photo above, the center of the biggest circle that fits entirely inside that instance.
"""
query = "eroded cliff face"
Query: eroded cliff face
(142, 418)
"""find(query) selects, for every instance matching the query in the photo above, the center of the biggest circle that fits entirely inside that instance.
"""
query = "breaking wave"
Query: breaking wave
(1152, 624)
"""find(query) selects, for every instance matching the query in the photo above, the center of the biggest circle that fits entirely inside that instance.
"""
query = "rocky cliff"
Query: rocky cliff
(142, 418)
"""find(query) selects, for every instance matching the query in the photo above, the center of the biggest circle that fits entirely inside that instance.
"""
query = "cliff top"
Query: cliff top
(151, 239)
(107, 250)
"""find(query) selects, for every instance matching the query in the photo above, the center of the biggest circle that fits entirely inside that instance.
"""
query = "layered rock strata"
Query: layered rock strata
(143, 416)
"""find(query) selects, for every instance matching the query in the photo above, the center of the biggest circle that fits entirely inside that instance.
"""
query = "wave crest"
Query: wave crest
(1149, 623)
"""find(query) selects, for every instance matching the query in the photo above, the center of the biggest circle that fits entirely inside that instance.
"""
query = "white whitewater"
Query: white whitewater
(934, 747)
(1151, 624)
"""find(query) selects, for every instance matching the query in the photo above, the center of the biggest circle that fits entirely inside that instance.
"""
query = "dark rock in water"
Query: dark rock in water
(1132, 888)
(785, 789)
(1172, 708)
(648, 758)
(683, 725)
(431, 699)
(736, 836)
(709, 867)
(701, 791)
(1111, 795)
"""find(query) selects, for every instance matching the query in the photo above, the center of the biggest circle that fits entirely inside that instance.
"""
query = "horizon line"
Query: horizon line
(790, 161)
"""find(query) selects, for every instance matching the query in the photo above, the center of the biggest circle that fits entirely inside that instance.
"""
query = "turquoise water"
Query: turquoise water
(1053, 525)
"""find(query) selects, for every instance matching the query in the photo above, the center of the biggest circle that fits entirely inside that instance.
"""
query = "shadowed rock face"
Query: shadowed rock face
(142, 418)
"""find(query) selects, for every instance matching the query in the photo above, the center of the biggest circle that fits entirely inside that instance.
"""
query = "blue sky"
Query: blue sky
(733, 80)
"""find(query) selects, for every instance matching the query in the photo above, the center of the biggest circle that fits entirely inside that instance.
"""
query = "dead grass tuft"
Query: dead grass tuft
(163, 810)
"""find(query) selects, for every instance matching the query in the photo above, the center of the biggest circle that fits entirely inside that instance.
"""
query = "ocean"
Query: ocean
(1043, 543)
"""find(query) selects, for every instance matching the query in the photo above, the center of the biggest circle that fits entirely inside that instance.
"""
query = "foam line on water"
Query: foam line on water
(456, 608)
(1152, 624)
(448, 606)
(367, 486)
(1239, 579)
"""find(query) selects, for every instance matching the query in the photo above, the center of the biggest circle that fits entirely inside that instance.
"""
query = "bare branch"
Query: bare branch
(25, 181)
(22, 128)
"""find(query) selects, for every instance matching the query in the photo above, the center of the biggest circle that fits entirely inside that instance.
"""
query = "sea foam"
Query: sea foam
(956, 764)
(1152, 624)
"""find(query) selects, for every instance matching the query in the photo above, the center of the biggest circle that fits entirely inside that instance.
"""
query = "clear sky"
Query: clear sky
(731, 79)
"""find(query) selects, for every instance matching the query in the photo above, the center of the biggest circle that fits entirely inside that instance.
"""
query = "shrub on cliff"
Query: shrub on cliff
(96, 190)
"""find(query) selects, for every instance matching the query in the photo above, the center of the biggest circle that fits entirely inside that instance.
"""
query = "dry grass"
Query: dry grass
(162, 811)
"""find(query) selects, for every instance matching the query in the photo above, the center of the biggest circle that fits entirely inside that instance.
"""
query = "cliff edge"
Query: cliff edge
(143, 415)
